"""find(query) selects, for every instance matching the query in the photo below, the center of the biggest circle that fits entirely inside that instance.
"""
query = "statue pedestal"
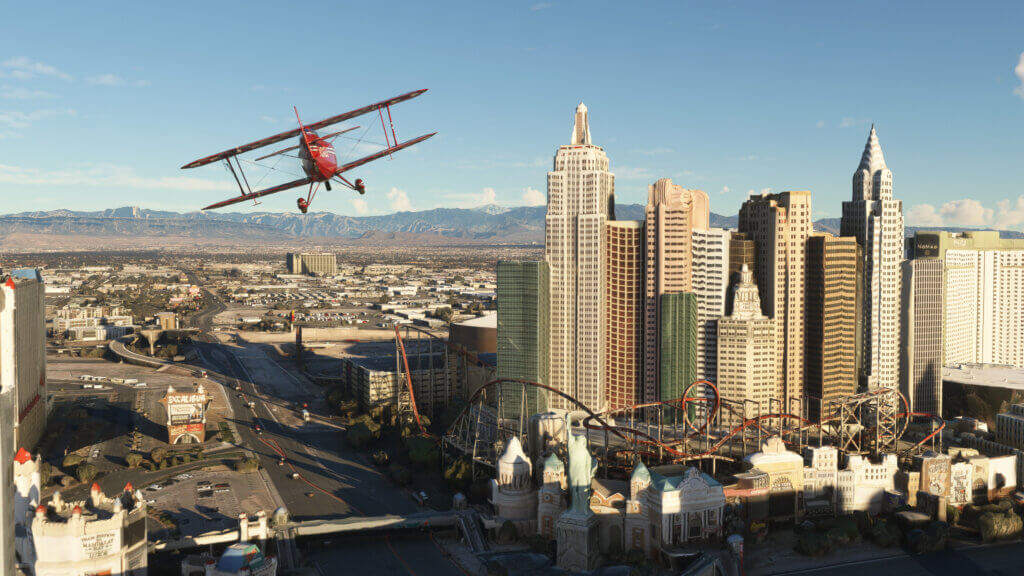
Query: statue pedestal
(577, 538)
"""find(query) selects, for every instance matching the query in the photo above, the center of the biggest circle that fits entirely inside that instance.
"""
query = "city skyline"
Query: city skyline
(103, 100)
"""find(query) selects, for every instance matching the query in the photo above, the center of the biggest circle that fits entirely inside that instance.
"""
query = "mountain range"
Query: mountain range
(489, 224)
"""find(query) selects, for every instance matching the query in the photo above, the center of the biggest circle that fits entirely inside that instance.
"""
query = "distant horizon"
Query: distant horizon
(758, 97)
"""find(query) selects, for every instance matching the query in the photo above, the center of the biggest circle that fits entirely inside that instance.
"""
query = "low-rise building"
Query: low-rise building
(101, 535)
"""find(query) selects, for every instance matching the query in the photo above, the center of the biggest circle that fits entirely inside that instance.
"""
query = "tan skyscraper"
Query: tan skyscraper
(830, 317)
(623, 311)
(581, 198)
(746, 349)
(672, 214)
(876, 220)
(780, 224)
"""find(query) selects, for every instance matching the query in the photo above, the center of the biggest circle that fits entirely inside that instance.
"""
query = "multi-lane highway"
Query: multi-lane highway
(333, 481)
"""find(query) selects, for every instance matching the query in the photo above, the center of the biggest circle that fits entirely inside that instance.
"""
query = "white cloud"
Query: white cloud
(360, 206)
(540, 6)
(533, 197)
(399, 200)
(924, 215)
(725, 190)
(753, 192)
(105, 80)
(23, 68)
(141, 83)
(820, 124)
(966, 212)
(485, 197)
(105, 175)
(22, 120)
(1019, 71)
(18, 93)
(1009, 214)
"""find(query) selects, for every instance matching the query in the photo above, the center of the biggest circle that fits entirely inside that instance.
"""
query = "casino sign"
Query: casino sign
(186, 415)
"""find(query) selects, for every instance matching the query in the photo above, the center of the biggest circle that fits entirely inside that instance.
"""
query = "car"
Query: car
(280, 461)
(222, 485)
(310, 494)
(151, 502)
(203, 483)
(154, 487)
(204, 493)
(306, 443)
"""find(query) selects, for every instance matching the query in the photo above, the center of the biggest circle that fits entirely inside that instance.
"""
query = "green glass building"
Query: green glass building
(523, 332)
(677, 345)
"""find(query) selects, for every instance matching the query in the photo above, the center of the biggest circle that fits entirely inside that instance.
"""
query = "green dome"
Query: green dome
(640, 473)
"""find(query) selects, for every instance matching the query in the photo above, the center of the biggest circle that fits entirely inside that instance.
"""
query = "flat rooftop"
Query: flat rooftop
(991, 375)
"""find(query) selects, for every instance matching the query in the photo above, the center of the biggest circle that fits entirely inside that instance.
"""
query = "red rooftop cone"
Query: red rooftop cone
(22, 456)
(128, 487)
(95, 487)
(10, 283)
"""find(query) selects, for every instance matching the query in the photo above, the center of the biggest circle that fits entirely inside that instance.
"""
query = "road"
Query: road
(997, 560)
(340, 482)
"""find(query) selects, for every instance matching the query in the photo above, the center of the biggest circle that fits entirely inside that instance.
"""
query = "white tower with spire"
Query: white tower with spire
(581, 197)
(876, 220)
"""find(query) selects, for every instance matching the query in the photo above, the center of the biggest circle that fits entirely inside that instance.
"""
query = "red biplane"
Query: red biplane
(316, 153)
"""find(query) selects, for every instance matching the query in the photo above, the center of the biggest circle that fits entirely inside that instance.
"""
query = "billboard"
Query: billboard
(186, 415)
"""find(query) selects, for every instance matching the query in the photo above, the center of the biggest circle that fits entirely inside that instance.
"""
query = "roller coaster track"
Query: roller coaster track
(843, 423)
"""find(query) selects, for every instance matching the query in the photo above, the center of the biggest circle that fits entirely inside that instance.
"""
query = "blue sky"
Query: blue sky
(99, 107)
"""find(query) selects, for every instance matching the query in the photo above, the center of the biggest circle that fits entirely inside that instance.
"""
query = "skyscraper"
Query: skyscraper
(23, 353)
(677, 344)
(983, 285)
(747, 349)
(672, 214)
(742, 250)
(581, 198)
(523, 332)
(830, 317)
(623, 311)
(921, 345)
(7, 518)
(780, 224)
(876, 220)
(710, 284)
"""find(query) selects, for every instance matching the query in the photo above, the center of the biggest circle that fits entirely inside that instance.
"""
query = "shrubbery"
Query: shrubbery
(86, 472)
(247, 465)
(71, 460)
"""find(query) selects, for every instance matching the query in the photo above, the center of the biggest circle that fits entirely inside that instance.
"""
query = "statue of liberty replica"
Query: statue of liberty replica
(576, 531)
(581, 472)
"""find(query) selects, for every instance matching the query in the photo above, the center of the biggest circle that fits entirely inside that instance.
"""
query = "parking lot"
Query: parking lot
(211, 499)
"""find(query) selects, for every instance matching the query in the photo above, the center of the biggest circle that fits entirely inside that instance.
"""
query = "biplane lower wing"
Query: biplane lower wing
(381, 154)
(260, 193)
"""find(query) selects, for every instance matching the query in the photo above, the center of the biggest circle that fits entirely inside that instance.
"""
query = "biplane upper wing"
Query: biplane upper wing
(255, 195)
(314, 126)
(381, 154)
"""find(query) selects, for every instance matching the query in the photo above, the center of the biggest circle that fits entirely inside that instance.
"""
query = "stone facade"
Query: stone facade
(103, 535)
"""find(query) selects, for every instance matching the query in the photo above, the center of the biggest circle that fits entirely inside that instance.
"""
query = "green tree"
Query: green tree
(71, 460)
(45, 474)
(133, 459)
(247, 465)
(158, 454)
(86, 472)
